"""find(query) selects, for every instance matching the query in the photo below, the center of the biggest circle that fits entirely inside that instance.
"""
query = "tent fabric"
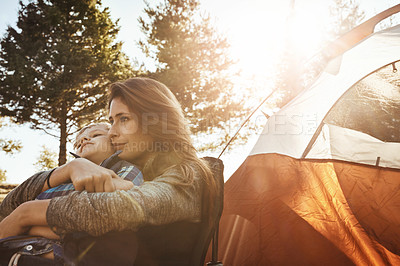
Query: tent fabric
(353, 146)
(290, 130)
(285, 211)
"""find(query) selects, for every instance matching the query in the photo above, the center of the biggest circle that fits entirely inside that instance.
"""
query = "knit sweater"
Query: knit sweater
(156, 202)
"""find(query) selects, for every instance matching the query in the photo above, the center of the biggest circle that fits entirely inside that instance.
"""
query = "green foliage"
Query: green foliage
(3, 176)
(192, 60)
(9, 146)
(47, 159)
(57, 63)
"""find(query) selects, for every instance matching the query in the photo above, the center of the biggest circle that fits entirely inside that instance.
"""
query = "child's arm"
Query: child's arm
(43, 231)
(85, 175)
(46, 232)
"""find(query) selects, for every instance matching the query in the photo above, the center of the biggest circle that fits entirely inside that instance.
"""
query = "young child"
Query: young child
(92, 143)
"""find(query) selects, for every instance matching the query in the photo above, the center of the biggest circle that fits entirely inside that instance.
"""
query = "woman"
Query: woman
(148, 125)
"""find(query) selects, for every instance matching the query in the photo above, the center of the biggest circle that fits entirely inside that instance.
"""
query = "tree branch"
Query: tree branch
(45, 131)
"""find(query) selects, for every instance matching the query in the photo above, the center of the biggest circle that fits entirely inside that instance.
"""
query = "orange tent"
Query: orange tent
(285, 211)
(322, 184)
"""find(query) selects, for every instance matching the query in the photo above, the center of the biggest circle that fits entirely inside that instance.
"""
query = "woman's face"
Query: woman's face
(126, 135)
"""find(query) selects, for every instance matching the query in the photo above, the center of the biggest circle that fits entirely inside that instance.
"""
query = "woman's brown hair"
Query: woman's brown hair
(152, 101)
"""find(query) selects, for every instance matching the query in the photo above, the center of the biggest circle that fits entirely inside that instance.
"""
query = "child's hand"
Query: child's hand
(91, 177)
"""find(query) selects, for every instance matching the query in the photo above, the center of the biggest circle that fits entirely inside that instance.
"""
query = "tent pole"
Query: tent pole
(245, 121)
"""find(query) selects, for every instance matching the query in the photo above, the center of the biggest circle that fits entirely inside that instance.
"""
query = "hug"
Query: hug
(138, 193)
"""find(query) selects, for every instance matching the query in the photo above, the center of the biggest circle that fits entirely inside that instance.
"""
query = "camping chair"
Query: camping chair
(184, 243)
(208, 232)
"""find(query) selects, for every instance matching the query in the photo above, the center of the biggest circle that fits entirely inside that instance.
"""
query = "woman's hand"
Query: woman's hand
(91, 177)
(23, 217)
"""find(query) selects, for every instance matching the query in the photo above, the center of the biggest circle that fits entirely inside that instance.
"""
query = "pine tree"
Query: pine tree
(192, 60)
(56, 64)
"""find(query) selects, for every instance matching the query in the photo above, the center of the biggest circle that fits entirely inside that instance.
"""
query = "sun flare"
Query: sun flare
(260, 34)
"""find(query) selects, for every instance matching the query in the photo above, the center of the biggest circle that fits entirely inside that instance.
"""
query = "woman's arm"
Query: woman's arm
(44, 231)
(84, 174)
(160, 201)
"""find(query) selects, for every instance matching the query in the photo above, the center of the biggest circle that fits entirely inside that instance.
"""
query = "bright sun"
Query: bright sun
(258, 32)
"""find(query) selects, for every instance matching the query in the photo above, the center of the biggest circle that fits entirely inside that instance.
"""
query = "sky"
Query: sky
(253, 28)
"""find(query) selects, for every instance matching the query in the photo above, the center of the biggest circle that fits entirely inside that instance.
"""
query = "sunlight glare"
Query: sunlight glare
(309, 26)
(259, 32)
(255, 30)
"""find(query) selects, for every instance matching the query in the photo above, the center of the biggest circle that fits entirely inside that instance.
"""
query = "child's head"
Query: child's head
(92, 143)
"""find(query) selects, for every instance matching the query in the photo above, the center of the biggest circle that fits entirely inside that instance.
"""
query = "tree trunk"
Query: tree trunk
(62, 156)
